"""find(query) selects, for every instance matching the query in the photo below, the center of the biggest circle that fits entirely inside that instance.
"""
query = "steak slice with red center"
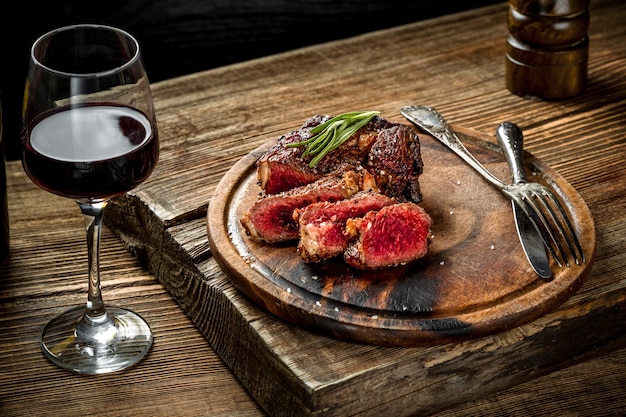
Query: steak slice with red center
(282, 168)
(270, 218)
(322, 224)
(393, 236)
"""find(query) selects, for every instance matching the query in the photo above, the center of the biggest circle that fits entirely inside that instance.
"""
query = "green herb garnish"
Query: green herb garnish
(331, 134)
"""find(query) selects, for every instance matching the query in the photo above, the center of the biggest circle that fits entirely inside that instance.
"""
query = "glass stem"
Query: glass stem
(93, 214)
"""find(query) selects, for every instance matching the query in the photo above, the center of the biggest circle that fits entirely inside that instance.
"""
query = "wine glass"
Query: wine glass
(89, 133)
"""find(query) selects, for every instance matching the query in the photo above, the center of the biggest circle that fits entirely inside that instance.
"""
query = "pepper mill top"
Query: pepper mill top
(547, 48)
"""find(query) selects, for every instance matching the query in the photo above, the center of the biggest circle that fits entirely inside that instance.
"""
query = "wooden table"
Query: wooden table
(216, 353)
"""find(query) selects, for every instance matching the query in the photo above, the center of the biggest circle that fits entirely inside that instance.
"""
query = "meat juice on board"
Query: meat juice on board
(97, 150)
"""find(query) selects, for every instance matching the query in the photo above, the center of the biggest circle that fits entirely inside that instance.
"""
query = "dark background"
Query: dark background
(184, 36)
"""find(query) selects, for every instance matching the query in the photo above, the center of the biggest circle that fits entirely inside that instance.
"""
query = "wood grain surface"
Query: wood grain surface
(227, 356)
(474, 281)
(211, 120)
(45, 274)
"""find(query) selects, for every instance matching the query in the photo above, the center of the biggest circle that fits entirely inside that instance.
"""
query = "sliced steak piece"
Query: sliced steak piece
(393, 236)
(322, 224)
(282, 168)
(270, 219)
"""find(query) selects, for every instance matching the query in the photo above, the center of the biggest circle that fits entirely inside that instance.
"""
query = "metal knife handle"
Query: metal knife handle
(511, 141)
(432, 122)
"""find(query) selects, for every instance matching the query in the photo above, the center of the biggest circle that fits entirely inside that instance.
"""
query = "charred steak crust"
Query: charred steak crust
(394, 235)
(322, 224)
(270, 218)
(396, 162)
(390, 151)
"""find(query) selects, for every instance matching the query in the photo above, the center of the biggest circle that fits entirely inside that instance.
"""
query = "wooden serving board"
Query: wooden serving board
(474, 281)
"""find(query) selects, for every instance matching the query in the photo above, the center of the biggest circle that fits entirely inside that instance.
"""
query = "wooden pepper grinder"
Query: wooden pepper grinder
(547, 48)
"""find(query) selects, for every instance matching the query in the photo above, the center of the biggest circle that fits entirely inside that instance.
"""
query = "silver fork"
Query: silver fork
(538, 202)
(543, 200)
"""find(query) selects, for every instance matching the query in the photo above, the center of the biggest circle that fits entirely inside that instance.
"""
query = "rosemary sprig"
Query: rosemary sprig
(328, 136)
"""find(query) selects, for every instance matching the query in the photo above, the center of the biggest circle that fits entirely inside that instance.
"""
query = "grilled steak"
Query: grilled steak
(396, 162)
(394, 235)
(389, 151)
(270, 219)
(359, 201)
(322, 224)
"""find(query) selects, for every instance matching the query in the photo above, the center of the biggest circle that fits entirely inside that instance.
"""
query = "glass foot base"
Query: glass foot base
(115, 341)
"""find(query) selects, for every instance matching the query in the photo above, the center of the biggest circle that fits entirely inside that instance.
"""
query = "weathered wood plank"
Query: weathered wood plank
(216, 117)
(570, 361)
(45, 274)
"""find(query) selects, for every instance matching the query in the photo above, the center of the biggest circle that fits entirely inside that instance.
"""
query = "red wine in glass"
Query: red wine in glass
(91, 151)
(90, 134)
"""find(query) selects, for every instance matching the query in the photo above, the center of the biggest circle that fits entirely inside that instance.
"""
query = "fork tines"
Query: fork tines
(551, 220)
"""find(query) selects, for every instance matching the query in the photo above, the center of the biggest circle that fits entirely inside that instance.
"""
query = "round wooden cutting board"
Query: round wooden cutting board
(474, 281)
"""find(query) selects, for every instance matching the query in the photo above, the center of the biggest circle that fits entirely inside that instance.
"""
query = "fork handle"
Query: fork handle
(511, 141)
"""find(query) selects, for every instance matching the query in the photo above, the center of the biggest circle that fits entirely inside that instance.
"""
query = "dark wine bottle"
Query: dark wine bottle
(4, 209)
